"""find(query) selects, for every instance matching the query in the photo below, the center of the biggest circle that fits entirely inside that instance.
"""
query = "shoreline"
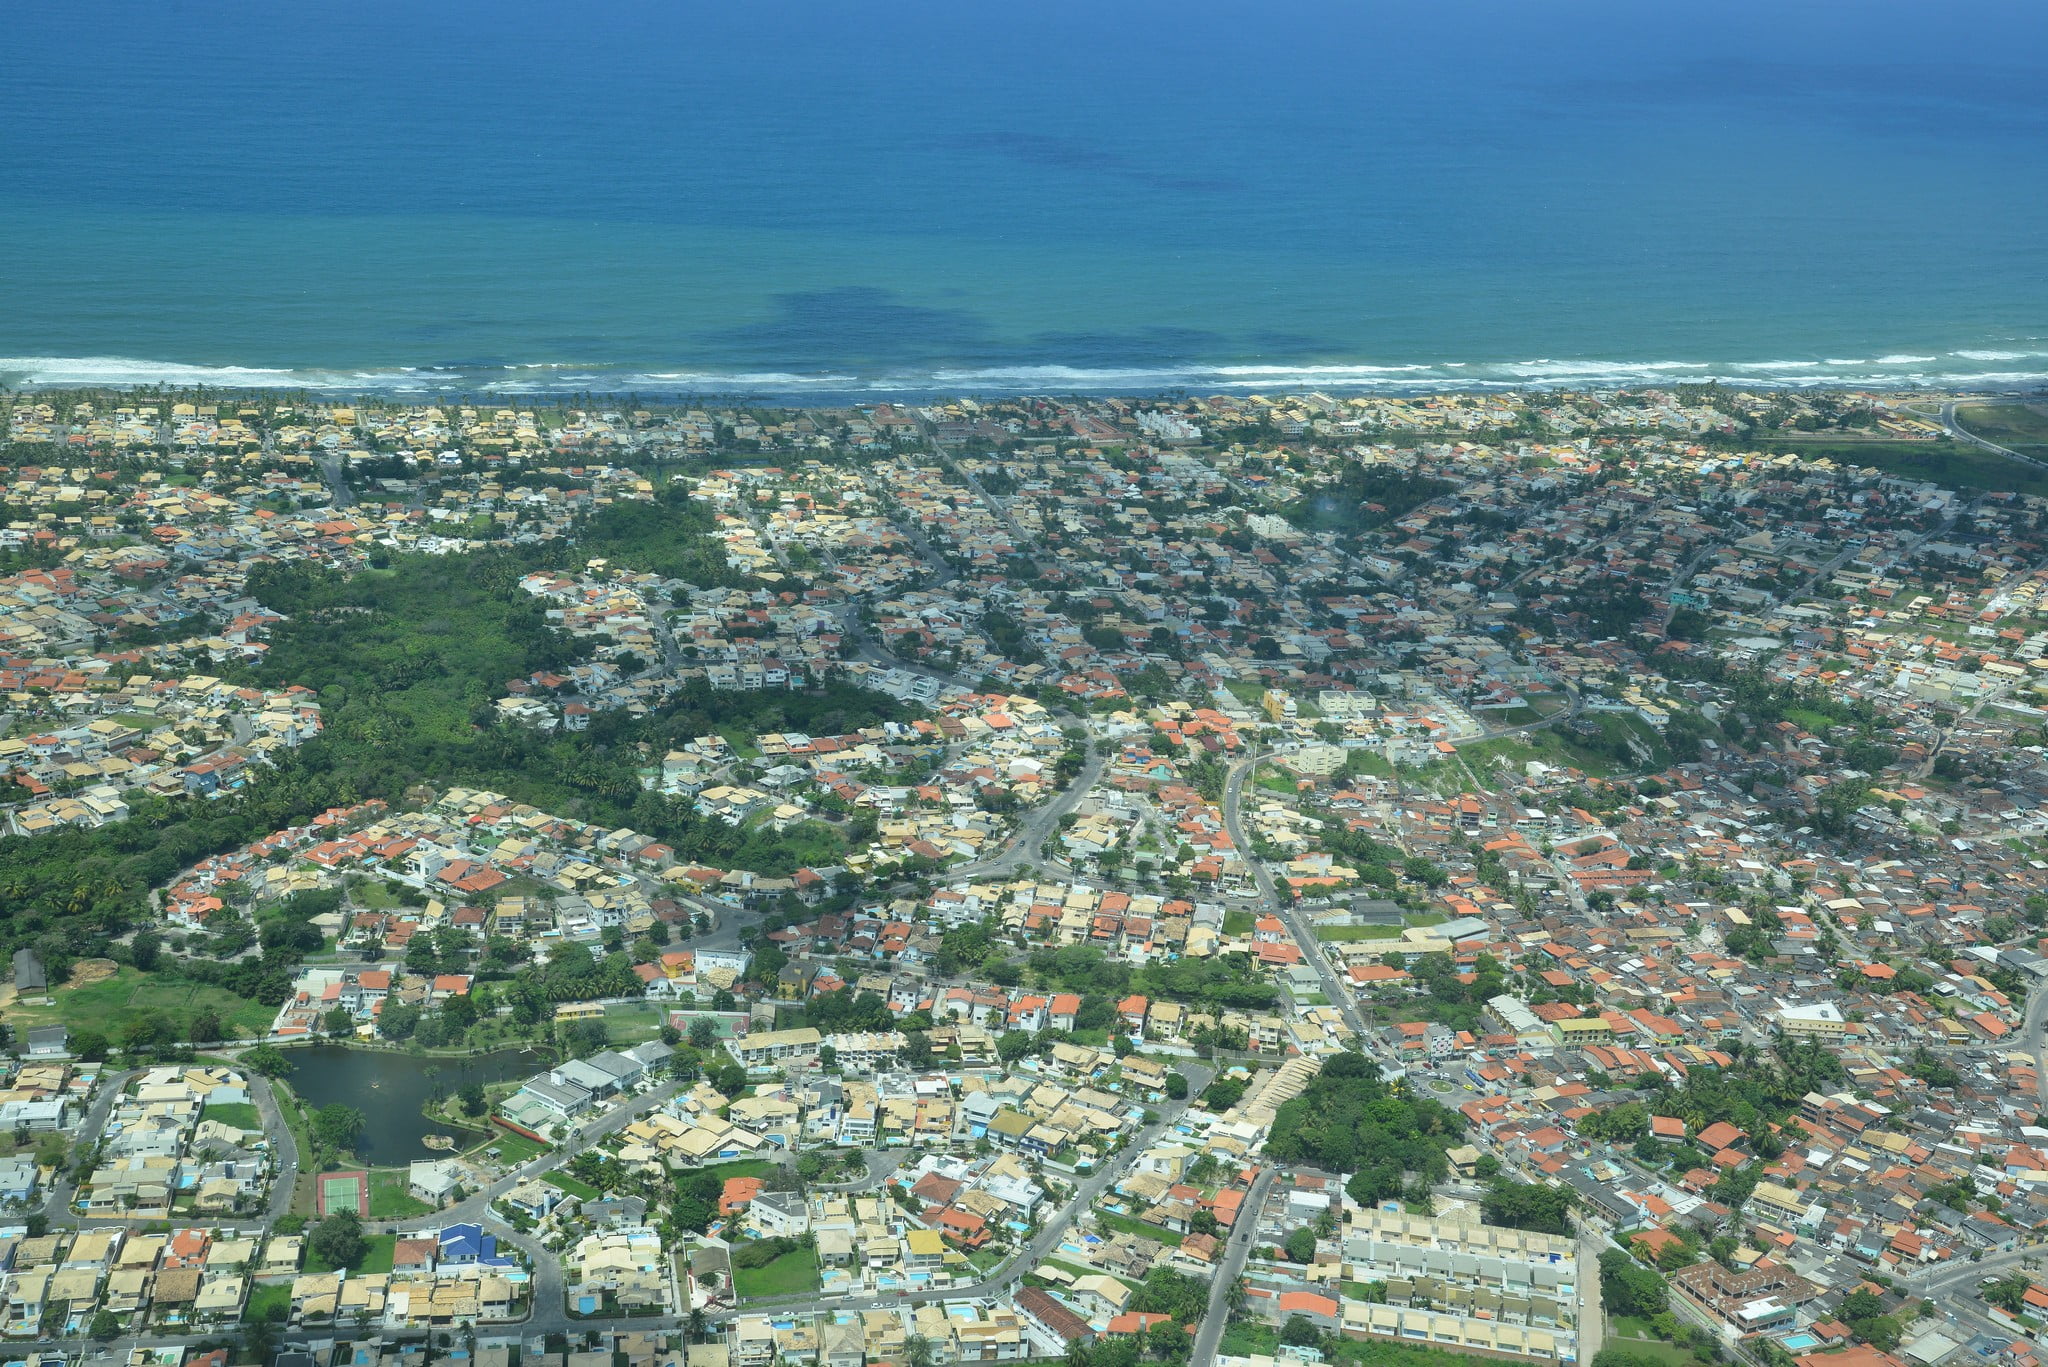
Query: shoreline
(2002, 371)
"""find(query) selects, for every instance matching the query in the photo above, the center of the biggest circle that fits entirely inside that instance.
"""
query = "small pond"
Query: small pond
(390, 1089)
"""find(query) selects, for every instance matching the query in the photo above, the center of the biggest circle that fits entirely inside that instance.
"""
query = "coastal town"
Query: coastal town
(1552, 878)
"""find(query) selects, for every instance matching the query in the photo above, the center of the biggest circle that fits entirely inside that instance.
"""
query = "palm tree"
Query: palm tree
(917, 1351)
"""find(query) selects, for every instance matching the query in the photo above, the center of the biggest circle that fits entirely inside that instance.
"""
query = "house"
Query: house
(1101, 1296)
(924, 1250)
(433, 1180)
(18, 1180)
(1053, 1324)
(843, 1344)
(467, 1245)
(773, 1214)
(49, 1041)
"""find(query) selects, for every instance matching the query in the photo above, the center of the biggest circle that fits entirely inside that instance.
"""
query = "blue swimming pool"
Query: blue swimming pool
(1799, 1343)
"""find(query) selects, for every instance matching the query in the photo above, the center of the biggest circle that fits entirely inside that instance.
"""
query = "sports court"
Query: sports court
(344, 1191)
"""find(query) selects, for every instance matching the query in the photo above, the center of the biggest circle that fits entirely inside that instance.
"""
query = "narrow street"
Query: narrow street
(1235, 1254)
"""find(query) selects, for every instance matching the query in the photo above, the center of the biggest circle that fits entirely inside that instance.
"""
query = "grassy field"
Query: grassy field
(1247, 1337)
(514, 1149)
(389, 1199)
(2022, 426)
(581, 1190)
(378, 895)
(1941, 462)
(792, 1274)
(1635, 1336)
(1129, 1225)
(268, 1303)
(108, 1005)
(1346, 934)
(383, 1248)
(1237, 923)
(629, 1023)
(237, 1115)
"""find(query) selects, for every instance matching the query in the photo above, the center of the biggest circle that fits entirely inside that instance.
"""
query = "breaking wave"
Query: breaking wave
(1961, 369)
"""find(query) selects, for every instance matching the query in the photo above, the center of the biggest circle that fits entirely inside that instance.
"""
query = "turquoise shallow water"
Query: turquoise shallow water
(801, 199)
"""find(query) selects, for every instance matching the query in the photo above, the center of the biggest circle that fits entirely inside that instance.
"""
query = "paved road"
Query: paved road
(1592, 1313)
(880, 1163)
(57, 1202)
(477, 1206)
(1038, 824)
(1235, 1252)
(2035, 1033)
(1334, 988)
(337, 483)
(1056, 1225)
(1960, 433)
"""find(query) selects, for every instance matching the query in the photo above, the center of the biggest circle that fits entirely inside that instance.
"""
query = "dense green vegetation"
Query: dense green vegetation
(407, 661)
(1362, 497)
(1629, 1288)
(668, 538)
(1348, 1120)
(1226, 981)
(1527, 1205)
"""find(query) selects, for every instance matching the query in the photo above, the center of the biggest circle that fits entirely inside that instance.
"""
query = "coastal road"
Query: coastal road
(1217, 1317)
(1960, 433)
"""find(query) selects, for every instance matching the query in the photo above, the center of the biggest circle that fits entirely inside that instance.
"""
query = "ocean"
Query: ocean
(796, 200)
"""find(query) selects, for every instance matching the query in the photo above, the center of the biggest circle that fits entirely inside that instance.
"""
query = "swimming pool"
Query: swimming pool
(1799, 1343)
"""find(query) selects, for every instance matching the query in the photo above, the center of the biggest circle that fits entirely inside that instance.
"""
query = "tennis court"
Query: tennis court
(344, 1191)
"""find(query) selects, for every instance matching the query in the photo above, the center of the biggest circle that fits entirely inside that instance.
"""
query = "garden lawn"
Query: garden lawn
(389, 1199)
(377, 895)
(792, 1274)
(562, 1181)
(268, 1302)
(1342, 934)
(1138, 1227)
(238, 1115)
(383, 1249)
(513, 1149)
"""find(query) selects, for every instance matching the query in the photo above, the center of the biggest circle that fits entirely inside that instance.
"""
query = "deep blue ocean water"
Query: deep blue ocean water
(793, 197)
